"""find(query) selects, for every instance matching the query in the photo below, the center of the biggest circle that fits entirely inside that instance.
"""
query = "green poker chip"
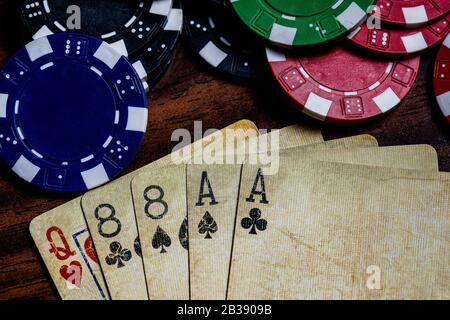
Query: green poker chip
(302, 23)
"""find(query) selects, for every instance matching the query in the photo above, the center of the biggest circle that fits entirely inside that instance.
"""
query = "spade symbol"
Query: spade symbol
(255, 222)
(137, 247)
(161, 240)
(208, 225)
(183, 234)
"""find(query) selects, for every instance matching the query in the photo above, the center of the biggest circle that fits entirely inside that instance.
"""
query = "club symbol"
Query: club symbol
(161, 239)
(254, 222)
(118, 255)
(207, 225)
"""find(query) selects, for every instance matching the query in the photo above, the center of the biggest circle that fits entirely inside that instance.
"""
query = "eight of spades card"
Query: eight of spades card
(160, 206)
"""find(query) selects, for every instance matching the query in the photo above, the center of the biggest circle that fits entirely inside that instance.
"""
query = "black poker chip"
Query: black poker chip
(156, 75)
(216, 2)
(222, 42)
(126, 25)
(158, 52)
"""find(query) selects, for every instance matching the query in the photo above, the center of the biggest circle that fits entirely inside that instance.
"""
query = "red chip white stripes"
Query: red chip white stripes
(442, 78)
(339, 86)
(412, 13)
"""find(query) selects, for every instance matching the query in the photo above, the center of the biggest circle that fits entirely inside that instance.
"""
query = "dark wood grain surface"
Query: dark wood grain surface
(188, 92)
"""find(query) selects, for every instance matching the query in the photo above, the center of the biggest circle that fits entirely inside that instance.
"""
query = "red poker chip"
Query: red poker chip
(339, 86)
(400, 43)
(442, 78)
(412, 13)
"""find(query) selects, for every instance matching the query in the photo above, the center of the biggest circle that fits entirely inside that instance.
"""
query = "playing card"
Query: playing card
(211, 201)
(212, 191)
(413, 157)
(160, 206)
(319, 230)
(64, 243)
(109, 214)
(298, 135)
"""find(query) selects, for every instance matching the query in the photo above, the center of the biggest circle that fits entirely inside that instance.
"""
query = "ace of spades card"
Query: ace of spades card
(211, 199)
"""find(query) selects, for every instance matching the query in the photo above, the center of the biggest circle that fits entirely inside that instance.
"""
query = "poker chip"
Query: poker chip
(216, 2)
(400, 43)
(411, 13)
(126, 25)
(302, 23)
(222, 46)
(155, 76)
(73, 112)
(339, 86)
(442, 78)
(158, 52)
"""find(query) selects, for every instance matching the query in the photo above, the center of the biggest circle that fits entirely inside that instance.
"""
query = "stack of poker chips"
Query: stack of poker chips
(341, 63)
(143, 31)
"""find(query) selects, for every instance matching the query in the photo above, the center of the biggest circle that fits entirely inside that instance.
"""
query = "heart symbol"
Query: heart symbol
(72, 273)
(90, 251)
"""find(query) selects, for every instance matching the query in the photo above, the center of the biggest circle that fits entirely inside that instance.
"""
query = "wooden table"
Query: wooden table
(188, 92)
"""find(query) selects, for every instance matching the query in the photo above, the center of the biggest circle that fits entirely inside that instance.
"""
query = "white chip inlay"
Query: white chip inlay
(415, 15)
(3, 103)
(38, 48)
(95, 177)
(107, 55)
(352, 16)
(317, 105)
(414, 43)
(25, 169)
(387, 100)
(137, 119)
(444, 103)
(282, 34)
(213, 54)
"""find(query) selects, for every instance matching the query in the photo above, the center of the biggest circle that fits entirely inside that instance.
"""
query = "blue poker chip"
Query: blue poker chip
(73, 112)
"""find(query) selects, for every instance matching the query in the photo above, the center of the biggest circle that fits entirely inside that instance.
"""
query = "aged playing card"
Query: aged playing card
(209, 256)
(160, 206)
(298, 135)
(109, 214)
(321, 230)
(64, 243)
(413, 157)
